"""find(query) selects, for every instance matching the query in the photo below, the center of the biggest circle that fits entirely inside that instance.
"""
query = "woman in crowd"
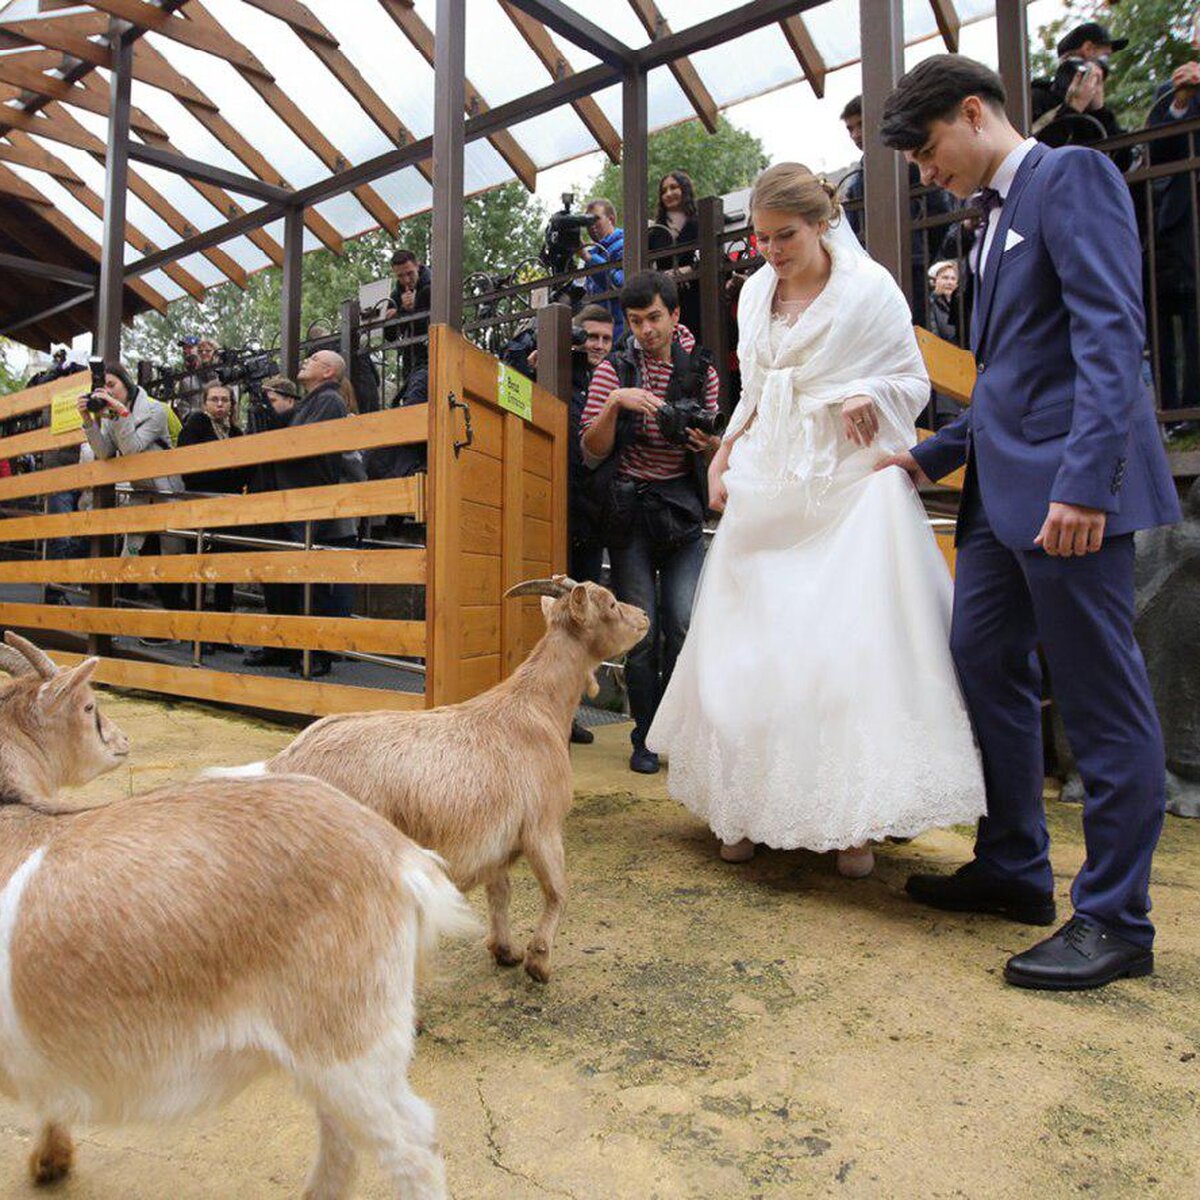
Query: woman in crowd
(815, 703)
(678, 219)
(946, 311)
(130, 421)
(213, 422)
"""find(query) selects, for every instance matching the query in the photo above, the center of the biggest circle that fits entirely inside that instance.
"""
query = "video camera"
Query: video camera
(564, 236)
(96, 366)
(248, 367)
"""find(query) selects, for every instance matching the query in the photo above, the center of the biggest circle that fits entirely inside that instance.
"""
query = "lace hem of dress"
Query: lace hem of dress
(789, 801)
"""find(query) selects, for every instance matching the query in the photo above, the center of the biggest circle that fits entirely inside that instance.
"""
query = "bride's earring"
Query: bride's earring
(978, 131)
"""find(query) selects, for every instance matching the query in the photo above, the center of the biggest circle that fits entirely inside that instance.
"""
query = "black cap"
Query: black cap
(1090, 31)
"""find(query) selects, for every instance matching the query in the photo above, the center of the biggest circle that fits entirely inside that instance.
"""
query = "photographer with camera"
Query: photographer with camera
(650, 425)
(1069, 110)
(120, 418)
(608, 246)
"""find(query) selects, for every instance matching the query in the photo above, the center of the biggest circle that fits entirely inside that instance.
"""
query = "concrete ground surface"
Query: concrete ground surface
(767, 1030)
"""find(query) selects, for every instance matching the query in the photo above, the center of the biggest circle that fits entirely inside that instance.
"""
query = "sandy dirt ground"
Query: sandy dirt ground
(768, 1030)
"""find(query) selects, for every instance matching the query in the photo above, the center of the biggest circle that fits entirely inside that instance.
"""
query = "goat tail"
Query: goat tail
(442, 910)
(248, 771)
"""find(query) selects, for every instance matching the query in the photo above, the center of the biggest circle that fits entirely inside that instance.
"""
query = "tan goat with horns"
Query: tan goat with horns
(487, 780)
(160, 952)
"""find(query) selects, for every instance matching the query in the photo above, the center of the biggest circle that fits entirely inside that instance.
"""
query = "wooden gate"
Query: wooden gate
(495, 511)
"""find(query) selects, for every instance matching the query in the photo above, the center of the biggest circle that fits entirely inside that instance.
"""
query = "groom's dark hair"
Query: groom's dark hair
(932, 91)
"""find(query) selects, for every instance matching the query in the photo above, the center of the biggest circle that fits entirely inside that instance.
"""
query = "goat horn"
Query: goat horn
(39, 660)
(15, 664)
(560, 585)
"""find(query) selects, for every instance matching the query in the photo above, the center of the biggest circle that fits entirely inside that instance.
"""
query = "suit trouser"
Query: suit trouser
(1080, 610)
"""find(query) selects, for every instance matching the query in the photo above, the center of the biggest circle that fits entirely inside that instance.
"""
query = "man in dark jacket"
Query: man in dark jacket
(412, 293)
(320, 376)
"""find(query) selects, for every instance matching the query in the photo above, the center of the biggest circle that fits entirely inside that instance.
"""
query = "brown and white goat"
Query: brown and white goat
(160, 952)
(487, 780)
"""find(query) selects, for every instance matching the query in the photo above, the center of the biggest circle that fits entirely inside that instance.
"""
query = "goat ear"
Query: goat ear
(578, 603)
(66, 682)
(547, 607)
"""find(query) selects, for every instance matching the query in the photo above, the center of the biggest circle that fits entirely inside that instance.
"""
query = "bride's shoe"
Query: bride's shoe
(737, 852)
(856, 863)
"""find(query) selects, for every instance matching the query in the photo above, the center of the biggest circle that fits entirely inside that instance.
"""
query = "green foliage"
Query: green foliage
(502, 226)
(11, 379)
(1159, 33)
(718, 163)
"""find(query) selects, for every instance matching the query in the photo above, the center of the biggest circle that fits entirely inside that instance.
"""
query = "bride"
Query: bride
(814, 703)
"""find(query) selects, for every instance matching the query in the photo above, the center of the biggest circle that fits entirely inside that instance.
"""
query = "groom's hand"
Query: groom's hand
(906, 462)
(1071, 529)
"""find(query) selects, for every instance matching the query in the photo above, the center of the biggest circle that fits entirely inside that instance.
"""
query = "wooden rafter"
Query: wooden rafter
(948, 23)
(81, 241)
(150, 196)
(13, 71)
(806, 52)
(64, 37)
(134, 236)
(421, 37)
(685, 73)
(179, 29)
(237, 145)
(307, 131)
(40, 160)
(13, 185)
(590, 113)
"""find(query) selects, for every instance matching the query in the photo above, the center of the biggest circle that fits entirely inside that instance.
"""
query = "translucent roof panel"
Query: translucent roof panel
(255, 129)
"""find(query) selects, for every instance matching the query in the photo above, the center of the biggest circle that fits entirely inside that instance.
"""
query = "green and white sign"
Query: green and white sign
(515, 392)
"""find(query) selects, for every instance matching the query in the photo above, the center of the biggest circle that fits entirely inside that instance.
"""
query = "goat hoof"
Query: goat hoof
(52, 1160)
(504, 956)
(537, 966)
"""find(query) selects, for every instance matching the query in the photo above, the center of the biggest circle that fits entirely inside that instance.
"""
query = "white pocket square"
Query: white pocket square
(1013, 239)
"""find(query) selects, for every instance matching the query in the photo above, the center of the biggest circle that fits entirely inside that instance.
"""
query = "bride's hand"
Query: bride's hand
(860, 421)
(718, 493)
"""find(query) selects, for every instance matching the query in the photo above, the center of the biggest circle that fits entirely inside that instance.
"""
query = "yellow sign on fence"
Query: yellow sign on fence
(515, 392)
(65, 416)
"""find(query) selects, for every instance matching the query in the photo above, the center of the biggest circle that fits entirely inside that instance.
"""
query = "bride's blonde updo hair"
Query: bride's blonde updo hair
(792, 188)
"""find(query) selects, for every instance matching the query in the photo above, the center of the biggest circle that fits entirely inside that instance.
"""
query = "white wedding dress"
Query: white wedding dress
(815, 703)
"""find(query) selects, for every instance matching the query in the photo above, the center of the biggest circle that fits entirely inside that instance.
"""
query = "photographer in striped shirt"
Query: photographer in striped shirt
(650, 425)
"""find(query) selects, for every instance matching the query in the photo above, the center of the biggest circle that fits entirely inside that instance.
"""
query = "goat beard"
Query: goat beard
(592, 685)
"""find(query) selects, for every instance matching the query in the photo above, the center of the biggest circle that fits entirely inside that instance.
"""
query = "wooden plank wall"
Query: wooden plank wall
(497, 516)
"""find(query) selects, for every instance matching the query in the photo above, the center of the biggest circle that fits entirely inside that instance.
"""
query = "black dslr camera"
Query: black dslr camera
(683, 408)
(563, 237)
(94, 404)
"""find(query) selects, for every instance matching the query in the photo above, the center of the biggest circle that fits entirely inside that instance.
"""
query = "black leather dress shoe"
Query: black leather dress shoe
(1080, 955)
(643, 761)
(972, 888)
(581, 735)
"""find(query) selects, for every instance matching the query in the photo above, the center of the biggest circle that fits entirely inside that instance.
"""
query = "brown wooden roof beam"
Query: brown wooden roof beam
(134, 236)
(234, 142)
(806, 52)
(148, 195)
(38, 159)
(421, 36)
(179, 29)
(948, 23)
(685, 73)
(542, 44)
(307, 131)
(14, 72)
(81, 241)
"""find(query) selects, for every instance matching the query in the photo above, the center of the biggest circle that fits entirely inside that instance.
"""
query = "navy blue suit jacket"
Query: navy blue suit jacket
(1059, 411)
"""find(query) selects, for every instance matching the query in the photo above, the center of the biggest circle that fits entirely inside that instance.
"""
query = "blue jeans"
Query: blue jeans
(661, 580)
(67, 547)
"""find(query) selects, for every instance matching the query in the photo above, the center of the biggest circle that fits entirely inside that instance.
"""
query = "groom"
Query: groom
(1064, 462)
